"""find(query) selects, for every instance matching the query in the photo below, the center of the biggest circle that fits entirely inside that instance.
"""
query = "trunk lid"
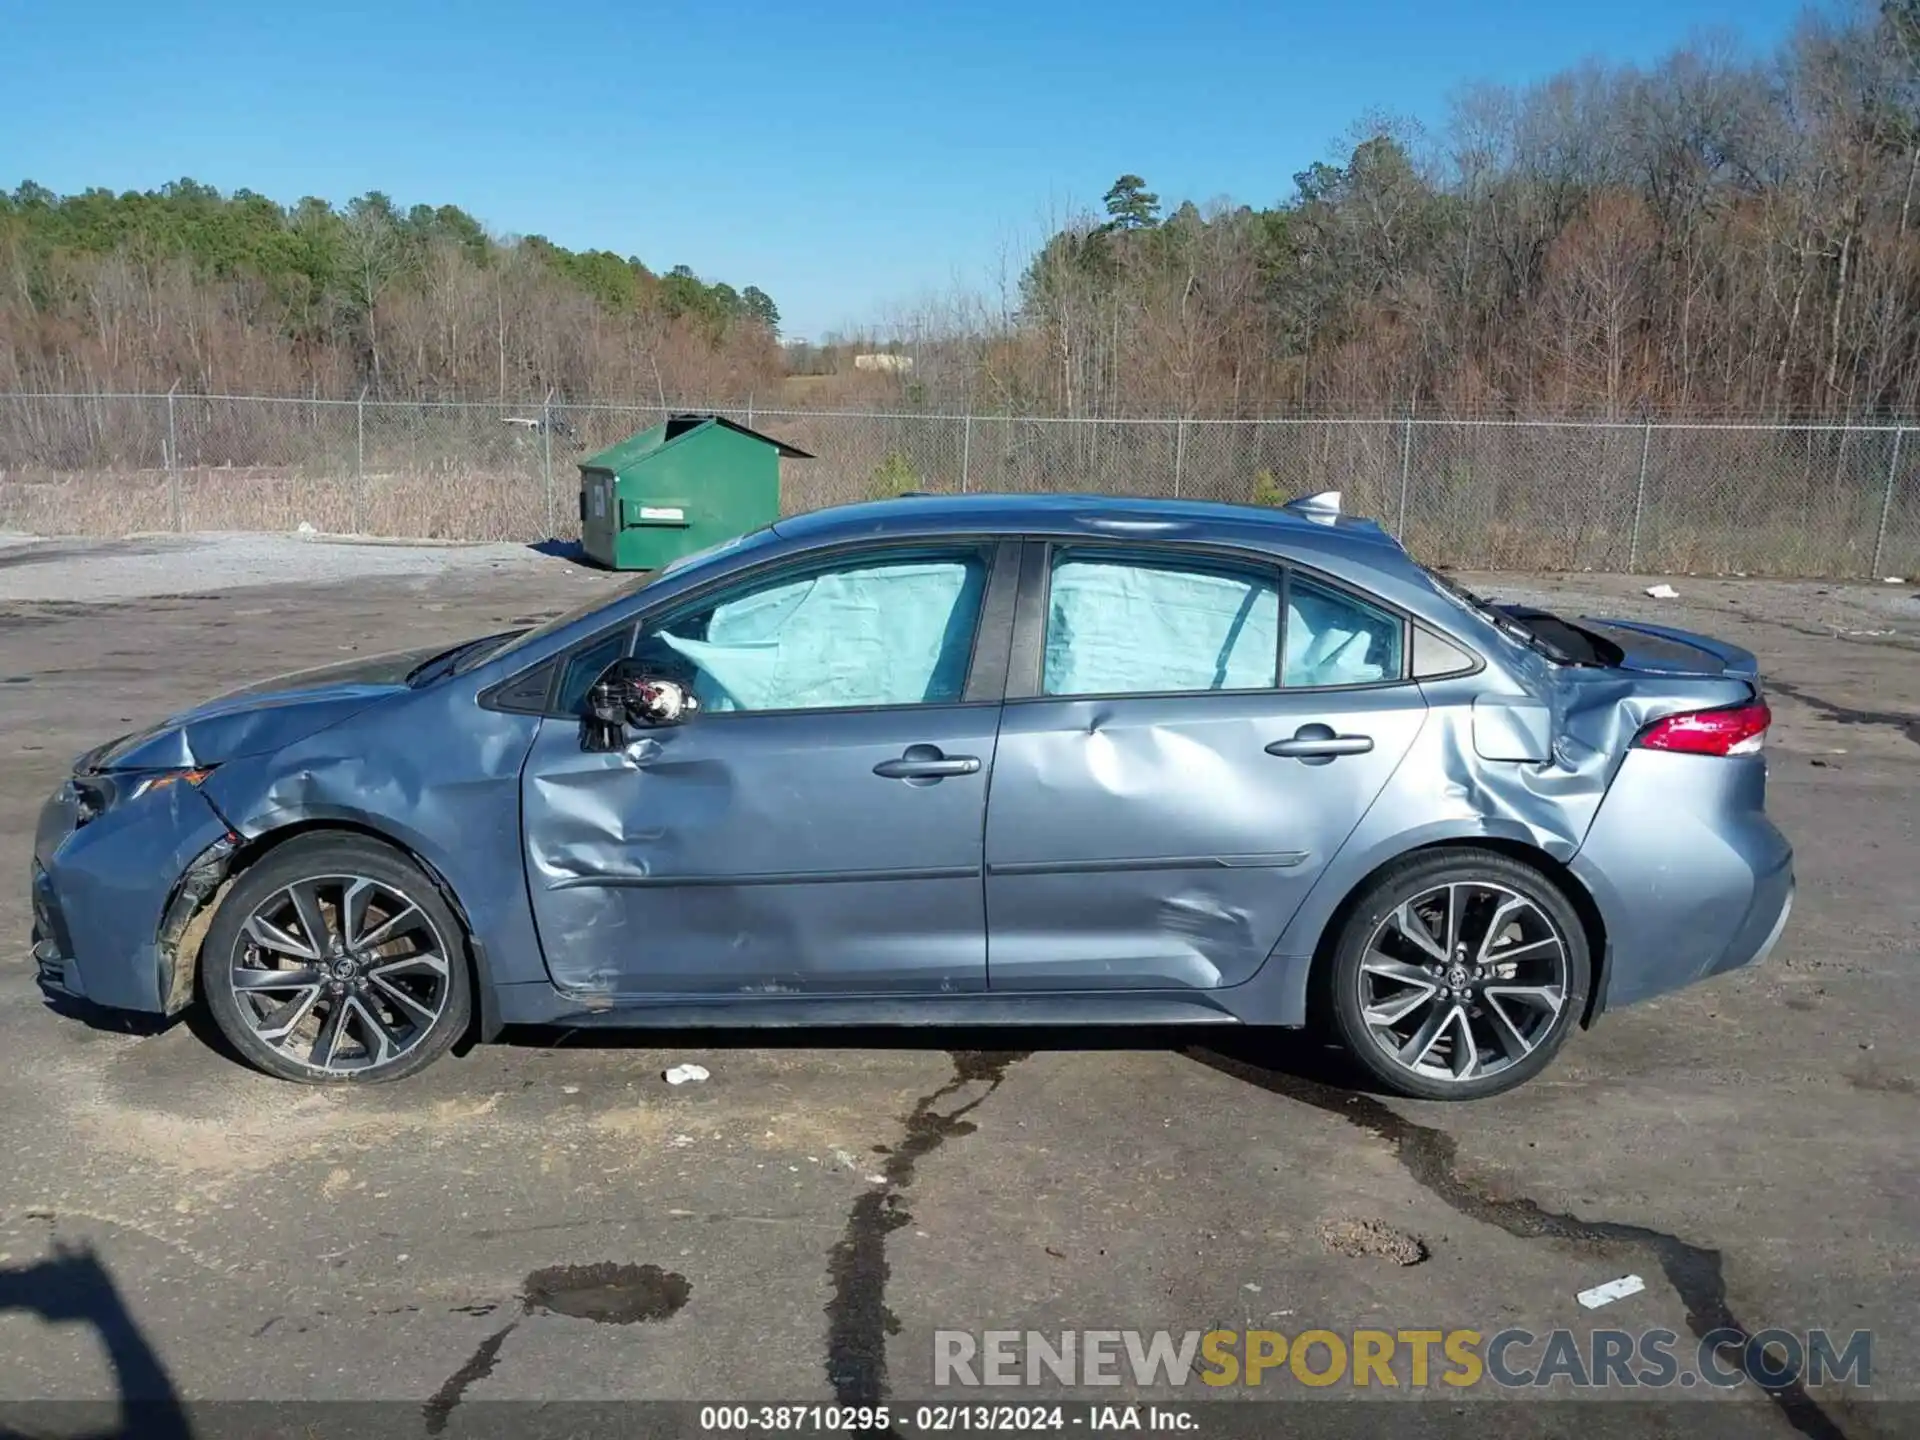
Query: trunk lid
(1638, 647)
(1664, 650)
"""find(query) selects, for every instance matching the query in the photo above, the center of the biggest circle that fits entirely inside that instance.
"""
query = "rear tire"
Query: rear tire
(337, 960)
(1458, 974)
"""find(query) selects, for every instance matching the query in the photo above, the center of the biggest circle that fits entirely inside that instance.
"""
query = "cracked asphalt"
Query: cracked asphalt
(544, 1219)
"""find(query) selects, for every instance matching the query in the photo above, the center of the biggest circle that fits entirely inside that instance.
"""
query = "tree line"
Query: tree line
(1718, 234)
(184, 285)
(1714, 235)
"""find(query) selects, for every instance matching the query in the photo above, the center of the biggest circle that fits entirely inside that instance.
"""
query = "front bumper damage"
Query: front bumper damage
(177, 948)
(120, 902)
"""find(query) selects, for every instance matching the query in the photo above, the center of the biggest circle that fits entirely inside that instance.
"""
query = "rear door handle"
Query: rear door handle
(927, 762)
(1318, 742)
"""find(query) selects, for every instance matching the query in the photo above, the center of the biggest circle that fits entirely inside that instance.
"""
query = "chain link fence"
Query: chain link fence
(1812, 500)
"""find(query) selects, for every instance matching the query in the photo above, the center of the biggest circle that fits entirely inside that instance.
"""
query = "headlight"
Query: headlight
(90, 796)
(94, 794)
(145, 782)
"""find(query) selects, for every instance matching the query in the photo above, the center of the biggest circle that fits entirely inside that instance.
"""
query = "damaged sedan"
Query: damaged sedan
(1035, 760)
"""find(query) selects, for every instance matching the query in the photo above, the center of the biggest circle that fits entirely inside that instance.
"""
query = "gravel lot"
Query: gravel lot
(32, 568)
(1749, 1147)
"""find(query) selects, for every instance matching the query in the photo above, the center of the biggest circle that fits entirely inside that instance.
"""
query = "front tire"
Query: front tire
(336, 960)
(1458, 975)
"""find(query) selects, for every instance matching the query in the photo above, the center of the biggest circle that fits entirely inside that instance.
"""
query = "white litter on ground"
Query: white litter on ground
(1611, 1291)
(1894, 580)
(1663, 592)
(682, 1074)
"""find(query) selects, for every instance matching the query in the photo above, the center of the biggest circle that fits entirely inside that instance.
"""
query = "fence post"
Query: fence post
(749, 410)
(173, 464)
(1886, 504)
(1639, 497)
(1179, 452)
(1406, 475)
(360, 463)
(966, 448)
(546, 456)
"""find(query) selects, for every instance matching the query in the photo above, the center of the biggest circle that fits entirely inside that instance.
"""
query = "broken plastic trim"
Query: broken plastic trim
(187, 920)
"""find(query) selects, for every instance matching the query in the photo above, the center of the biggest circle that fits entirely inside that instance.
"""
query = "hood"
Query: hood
(386, 670)
(262, 717)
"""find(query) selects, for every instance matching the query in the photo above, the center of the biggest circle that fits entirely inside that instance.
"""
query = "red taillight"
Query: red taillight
(1737, 730)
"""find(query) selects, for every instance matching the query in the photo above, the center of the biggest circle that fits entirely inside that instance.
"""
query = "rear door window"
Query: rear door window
(1334, 638)
(1119, 624)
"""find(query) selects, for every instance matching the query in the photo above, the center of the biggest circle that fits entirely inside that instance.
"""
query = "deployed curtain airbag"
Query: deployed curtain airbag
(1118, 629)
(895, 634)
(1132, 629)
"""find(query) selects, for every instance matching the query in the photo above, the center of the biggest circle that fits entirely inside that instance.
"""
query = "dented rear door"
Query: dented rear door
(1157, 843)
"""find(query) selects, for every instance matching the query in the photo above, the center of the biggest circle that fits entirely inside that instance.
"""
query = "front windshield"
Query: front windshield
(560, 622)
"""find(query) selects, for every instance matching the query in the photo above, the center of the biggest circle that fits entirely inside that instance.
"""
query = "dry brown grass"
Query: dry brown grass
(402, 504)
(444, 502)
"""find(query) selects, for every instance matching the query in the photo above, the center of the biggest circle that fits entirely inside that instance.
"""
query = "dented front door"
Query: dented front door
(798, 852)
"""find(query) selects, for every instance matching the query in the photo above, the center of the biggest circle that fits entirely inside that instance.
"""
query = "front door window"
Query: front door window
(863, 633)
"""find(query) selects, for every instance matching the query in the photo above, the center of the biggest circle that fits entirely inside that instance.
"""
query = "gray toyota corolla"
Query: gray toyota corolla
(1035, 760)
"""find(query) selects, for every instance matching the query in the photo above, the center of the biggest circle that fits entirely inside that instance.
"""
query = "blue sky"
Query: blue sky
(845, 158)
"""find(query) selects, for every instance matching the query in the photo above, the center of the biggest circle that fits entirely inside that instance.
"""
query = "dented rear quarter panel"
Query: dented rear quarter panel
(1526, 752)
(1688, 889)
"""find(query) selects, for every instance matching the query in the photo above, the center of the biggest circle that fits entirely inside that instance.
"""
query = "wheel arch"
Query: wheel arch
(1555, 872)
(253, 849)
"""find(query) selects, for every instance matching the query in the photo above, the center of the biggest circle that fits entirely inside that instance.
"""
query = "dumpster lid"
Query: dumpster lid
(680, 424)
(635, 448)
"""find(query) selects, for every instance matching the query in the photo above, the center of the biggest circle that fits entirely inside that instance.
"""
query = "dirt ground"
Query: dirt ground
(826, 1201)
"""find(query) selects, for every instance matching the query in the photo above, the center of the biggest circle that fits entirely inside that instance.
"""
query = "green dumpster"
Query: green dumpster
(687, 483)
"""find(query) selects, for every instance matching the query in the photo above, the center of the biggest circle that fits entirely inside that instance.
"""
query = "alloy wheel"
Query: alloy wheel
(1463, 981)
(340, 973)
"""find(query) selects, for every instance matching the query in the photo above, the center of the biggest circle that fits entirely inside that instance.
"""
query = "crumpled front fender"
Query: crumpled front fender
(433, 774)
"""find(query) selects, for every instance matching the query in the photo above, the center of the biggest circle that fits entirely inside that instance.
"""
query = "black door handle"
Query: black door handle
(1317, 744)
(927, 763)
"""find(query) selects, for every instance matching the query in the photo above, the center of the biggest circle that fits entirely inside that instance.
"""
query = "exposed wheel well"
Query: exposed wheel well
(1555, 873)
(250, 852)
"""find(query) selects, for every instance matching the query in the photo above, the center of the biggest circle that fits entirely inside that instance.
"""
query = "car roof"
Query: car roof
(1348, 548)
(1103, 516)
